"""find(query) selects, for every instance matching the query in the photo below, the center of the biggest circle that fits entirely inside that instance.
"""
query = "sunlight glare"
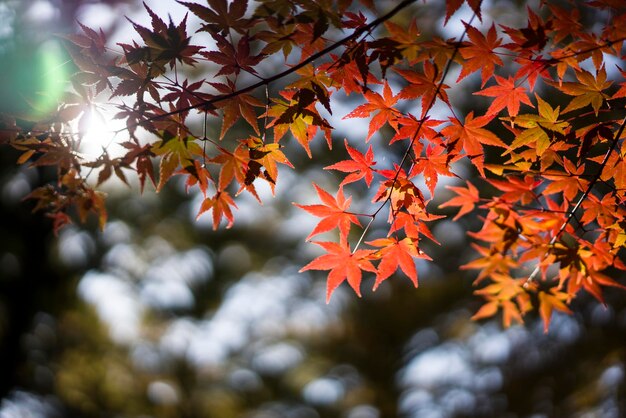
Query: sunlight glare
(99, 133)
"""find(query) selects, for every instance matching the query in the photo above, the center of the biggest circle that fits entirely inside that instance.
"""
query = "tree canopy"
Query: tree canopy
(539, 155)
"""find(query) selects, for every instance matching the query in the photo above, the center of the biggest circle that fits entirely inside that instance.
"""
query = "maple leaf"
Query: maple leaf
(333, 213)
(109, 166)
(233, 165)
(299, 116)
(306, 36)
(489, 263)
(453, 5)
(268, 156)
(539, 128)
(143, 157)
(467, 199)
(505, 293)
(435, 162)
(343, 264)
(174, 152)
(414, 224)
(197, 174)
(507, 95)
(222, 15)
(359, 166)
(394, 254)
(588, 91)
(92, 201)
(424, 85)
(346, 73)
(591, 280)
(548, 301)
(470, 135)
(530, 39)
(165, 44)
(92, 42)
(387, 51)
(401, 192)
(517, 189)
(278, 38)
(233, 60)
(413, 129)
(531, 69)
(479, 53)
(565, 22)
(185, 96)
(384, 105)
(407, 38)
(439, 51)
(240, 105)
(220, 204)
(605, 212)
(569, 184)
(316, 81)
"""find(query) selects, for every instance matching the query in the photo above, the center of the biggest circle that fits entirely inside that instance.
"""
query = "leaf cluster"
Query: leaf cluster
(553, 218)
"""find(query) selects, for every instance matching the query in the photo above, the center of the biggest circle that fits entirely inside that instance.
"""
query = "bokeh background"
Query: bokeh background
(160, 316)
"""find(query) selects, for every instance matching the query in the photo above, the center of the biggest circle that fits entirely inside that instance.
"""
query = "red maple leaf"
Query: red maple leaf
(343, 264)
(470, 135)
(383, 104)
(479, 53)
(517, 189)
(434, 163)
(359, 167)
(424, 85)
(333, 213)
(507, 95)
(222, 16)
(233, 60)
(453, 5)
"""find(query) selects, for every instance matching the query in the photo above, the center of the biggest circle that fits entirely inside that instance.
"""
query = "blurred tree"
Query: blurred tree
(35, 73)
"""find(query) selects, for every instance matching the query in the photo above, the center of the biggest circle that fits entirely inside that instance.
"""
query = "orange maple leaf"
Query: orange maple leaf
(240, 105)
(268, 156)
(396, 254)
(401, 192)
(548, 301)
(220, 203)
(343, 264)
(588, 90)
(516, 189)
(467, 198)
(569, 184)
